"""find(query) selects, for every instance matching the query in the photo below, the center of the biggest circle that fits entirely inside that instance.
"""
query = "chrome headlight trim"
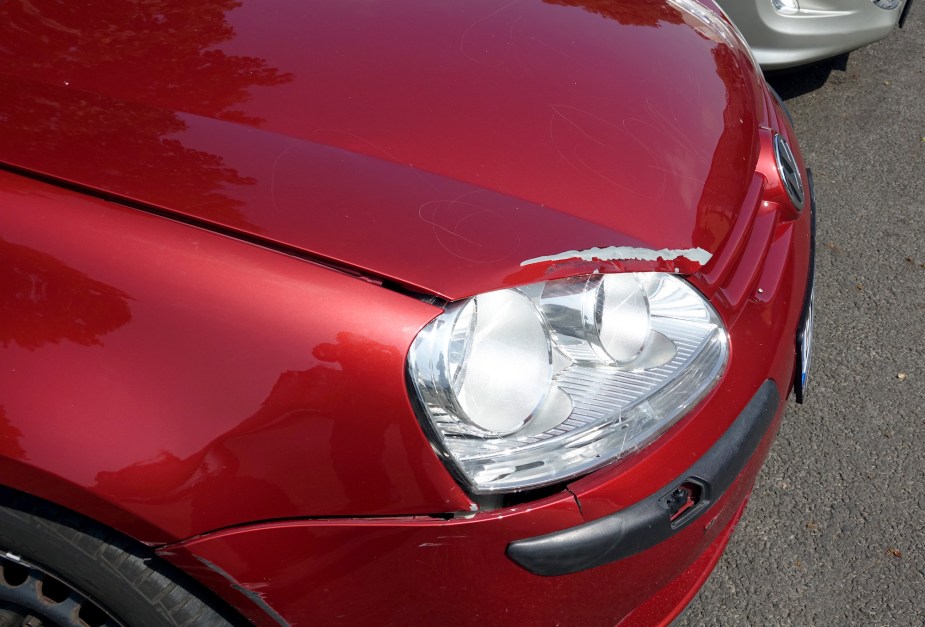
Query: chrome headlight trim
(786, 7)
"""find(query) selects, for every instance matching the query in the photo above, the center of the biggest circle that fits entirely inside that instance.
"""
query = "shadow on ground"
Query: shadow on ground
(801, 80)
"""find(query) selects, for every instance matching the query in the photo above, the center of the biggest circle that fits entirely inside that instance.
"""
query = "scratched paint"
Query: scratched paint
(625, 253)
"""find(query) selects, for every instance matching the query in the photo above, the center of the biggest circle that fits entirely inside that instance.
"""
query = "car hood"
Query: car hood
(451, 148)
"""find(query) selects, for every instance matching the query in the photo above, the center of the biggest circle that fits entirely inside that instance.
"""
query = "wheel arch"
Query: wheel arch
(19, 506)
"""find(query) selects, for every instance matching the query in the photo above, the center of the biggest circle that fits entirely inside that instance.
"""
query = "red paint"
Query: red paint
(478, 134)
(209, 339)
(416, 572)
(197, 382)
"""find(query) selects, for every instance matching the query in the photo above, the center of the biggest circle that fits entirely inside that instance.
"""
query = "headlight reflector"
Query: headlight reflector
(621, 316)
(530, 386)
(499, 361)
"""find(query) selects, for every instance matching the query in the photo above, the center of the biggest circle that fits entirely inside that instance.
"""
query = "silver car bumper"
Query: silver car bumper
(816, 30)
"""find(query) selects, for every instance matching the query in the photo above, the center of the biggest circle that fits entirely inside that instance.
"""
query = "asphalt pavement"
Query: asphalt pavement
(835, 530)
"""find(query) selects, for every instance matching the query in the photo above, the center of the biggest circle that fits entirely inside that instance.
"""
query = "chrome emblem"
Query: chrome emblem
(789, 171)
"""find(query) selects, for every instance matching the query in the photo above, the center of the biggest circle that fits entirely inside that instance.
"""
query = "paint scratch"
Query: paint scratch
(624, 253)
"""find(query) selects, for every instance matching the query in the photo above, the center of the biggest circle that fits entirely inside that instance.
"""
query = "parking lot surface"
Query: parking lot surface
(835, 530)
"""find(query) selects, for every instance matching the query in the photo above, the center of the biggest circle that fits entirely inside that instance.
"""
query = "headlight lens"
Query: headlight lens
(530, 386)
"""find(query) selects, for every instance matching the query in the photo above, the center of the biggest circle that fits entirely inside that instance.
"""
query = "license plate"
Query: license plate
(804, 350)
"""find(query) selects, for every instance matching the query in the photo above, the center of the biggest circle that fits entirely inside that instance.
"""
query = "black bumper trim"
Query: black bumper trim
(648, 522)
(799, 392)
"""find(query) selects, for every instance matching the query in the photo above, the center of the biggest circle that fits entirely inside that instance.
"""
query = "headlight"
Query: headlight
(786, 7)
(530, 386)
(887, 4)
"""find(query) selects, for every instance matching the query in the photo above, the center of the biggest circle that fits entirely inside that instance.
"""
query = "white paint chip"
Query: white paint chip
(623, 253)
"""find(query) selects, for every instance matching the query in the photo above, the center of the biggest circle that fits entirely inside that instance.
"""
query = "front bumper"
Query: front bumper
(660, 516)
(819, 29)
(424, 571)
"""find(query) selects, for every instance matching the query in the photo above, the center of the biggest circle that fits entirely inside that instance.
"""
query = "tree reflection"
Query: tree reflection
(9, 438)
(45, 301)
(729, 174)
(628, 13)
(96, 92)
(362, 459)
(161, 52)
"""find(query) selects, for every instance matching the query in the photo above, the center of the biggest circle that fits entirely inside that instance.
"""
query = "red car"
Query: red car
(386, 313)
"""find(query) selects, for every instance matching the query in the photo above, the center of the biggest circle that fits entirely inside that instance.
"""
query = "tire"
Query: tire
(57, 568)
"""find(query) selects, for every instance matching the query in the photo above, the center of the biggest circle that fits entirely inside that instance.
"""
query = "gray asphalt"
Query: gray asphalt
(835, 530)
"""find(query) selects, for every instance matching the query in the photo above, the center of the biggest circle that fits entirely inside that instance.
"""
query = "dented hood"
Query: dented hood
(452, 148)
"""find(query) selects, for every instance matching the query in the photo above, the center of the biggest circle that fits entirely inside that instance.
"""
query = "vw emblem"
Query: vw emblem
(789, 171)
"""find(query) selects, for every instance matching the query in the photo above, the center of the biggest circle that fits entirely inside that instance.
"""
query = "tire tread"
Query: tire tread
(128, 574)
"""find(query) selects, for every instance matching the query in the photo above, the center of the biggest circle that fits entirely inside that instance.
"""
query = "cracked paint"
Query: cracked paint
(625, 253)
(611, 259)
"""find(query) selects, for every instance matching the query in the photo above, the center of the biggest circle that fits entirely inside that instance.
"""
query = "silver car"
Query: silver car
(785, 33)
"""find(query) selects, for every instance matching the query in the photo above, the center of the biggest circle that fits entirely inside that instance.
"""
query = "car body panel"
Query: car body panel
(407, 570)
(476, 122)
(156, 367)
(211, 223)
(817, 30)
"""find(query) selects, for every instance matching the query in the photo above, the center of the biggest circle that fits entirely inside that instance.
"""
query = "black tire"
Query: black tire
(57, 568)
